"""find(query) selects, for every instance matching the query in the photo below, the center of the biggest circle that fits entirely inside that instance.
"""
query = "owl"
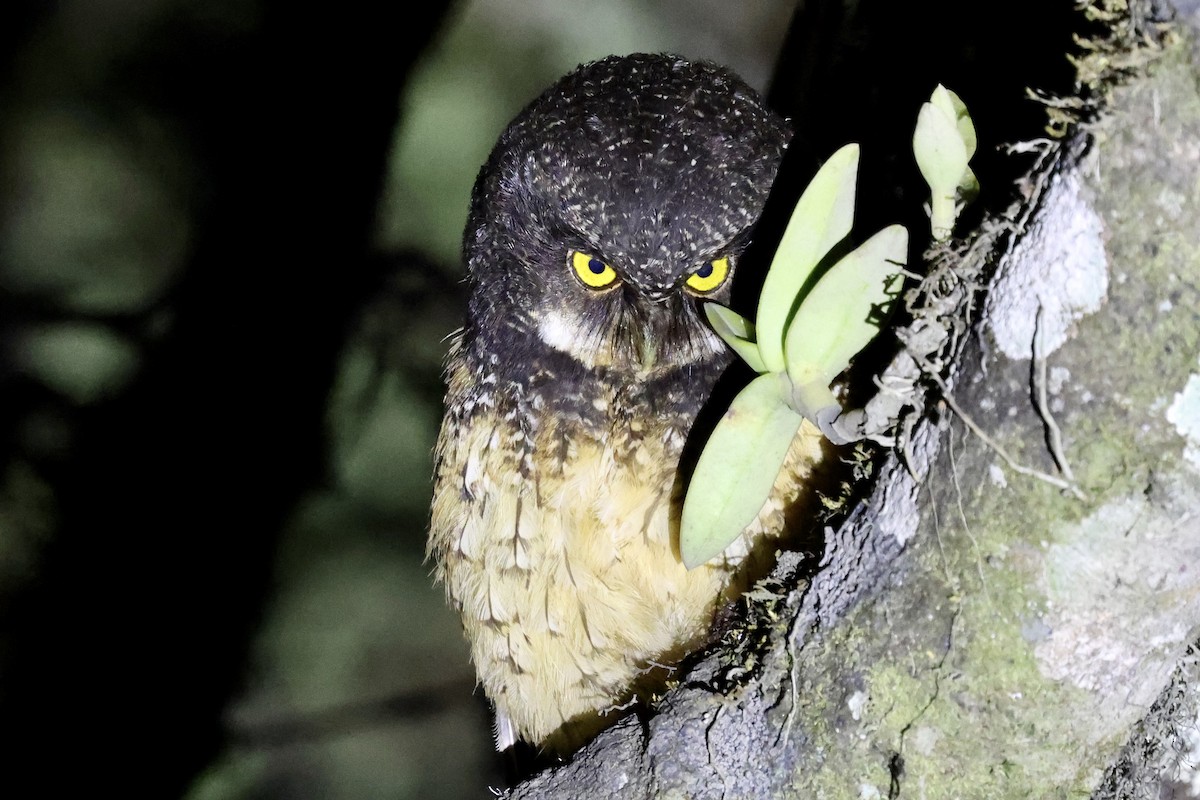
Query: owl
(611, 210)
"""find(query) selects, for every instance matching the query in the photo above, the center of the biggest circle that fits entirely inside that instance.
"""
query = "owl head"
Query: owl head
(612, 208)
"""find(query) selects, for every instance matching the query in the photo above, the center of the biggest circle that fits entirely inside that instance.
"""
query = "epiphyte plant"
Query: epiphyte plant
(943, 143)
(807, 329)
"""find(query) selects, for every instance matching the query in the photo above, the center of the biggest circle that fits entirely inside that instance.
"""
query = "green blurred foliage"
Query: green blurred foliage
(94, 217)
(84, 361)
(354, 635)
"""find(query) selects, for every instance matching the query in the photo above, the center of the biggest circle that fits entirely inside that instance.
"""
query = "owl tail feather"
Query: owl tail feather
(503, 731)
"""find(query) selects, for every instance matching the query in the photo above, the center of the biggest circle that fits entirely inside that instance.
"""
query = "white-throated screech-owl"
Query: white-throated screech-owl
(611, 209)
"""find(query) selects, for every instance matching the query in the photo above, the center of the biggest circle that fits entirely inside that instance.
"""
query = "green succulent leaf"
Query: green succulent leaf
(737, 469)
(942, 158)
(939, 148)
(955, 109)
(840, 315)
(968, 187)
(738, 333)
(822, 218)
(943, 143)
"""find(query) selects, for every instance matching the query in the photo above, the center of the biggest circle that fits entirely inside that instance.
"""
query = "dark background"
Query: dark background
(228, 261)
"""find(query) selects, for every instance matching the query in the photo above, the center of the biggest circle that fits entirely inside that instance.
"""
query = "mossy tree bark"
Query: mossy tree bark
(1013, 608)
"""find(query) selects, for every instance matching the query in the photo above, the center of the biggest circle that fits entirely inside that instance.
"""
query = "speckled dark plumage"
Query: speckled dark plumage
(556, 508)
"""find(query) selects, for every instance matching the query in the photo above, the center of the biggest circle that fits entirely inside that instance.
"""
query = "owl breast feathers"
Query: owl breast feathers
(611, 209)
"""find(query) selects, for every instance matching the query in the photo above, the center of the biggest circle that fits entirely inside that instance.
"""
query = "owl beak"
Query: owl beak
(653, 302)
(659, 296)
(652, 315)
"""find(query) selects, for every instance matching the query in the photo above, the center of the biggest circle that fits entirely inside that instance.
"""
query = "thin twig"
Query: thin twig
(937, 532)
(794, 690)
(1053, 433)
(962, 515)
(994, 445)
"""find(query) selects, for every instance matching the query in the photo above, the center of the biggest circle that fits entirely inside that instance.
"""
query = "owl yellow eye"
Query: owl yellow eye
(709, 277)
(593, 272)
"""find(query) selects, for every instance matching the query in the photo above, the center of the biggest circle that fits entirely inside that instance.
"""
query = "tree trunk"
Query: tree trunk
(1012, 608)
